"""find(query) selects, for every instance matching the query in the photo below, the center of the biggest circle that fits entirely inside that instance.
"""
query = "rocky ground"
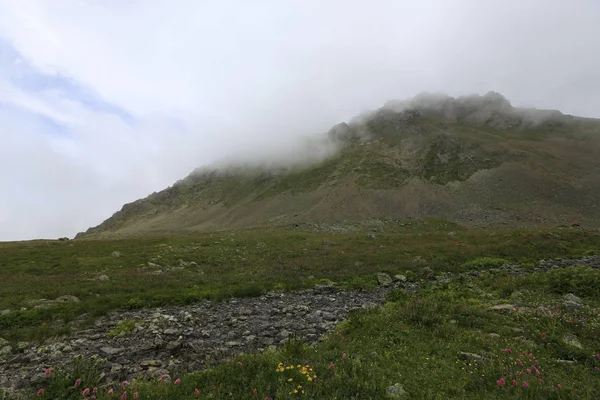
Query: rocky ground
(167, 341)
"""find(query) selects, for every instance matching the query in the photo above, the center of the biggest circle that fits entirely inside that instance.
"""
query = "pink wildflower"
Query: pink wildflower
(540, 380)
(330, 366)
(110, 392)
(515, 383)
(124, 396)
(240, 364)
(500, 382)
(255, 392)
(559, 386)
(537, 372)
(525, 385)
(163, 377)
(177, 381)
(536, 362)
(197, 391)
(95, 390)
(344, 356)
(125, 383)
(597, 356)
(520, 362)
(524, 354)
(507, 351)
(136, 395)
(530, 356)
(48, 372)
(77, 382)
(85, 392)
(528, 371)
(93, 397)
(40, 392)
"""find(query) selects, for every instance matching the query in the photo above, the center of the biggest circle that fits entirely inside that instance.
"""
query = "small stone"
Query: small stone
(4, 312)
(5, 351)
(494, 335)
(571, 297)
(571, 305)
(150, 363)
(396, 391)
(4, 342)
(115, 254)
(471, 356)
(400, 278)
(110, 350)
(452, 234)
(67, 299)
(384, 279)
(103, 278)
(503, 308)
(572, 340)
(566, 362)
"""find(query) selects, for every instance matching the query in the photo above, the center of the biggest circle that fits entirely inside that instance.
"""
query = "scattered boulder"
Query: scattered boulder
(384, 279)
(503, 308)
(396, 391)
(400, 278)
(472, 356)
(571, 305)
(427, 273)
(103, 278)
(572, 340)
(5, 351)
(4, 312)
(571, 297)
(115, 254)
(67, 298)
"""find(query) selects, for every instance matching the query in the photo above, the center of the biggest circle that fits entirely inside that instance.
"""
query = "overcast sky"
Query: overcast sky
(105, 101)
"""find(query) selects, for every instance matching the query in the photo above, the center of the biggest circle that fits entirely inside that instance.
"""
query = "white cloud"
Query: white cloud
(203, 79)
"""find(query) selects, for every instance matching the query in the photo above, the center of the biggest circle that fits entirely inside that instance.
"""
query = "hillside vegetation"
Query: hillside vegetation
(474, 161)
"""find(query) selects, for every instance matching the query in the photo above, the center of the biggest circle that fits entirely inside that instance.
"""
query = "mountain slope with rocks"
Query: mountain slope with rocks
(475, 160)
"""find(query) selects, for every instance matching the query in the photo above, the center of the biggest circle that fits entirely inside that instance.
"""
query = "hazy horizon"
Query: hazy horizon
(102, 103)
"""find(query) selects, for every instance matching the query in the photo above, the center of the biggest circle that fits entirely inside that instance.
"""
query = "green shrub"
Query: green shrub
(582, 281)
(484, 263)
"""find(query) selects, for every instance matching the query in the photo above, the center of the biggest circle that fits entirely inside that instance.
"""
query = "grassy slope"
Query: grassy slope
(414, 340)
(536, 176)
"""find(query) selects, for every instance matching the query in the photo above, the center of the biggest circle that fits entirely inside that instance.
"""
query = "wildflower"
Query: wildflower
(255, 392)
(40, 392)
(48, 372)
(344, 356)
(524, 354)
(536, 362)
(77, 382)
(110, 392)
(330, 366)
(530, 356)
(528, 370)
(500, 382)
(525, 385)
(197, 391)
(520, 362)
(597, 356)
(214, 387)
(125, 383)
(93, 397)
(163, 377)
(124, 396)
(85, 392)
(559, 386)
(95, 390)
(177, 381)
(136, 395)
(540, 380)
(514, 382)
(239, 364)
(507, 351)
(537, 372)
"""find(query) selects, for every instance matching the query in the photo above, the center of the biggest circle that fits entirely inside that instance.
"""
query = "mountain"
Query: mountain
(473, 160)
